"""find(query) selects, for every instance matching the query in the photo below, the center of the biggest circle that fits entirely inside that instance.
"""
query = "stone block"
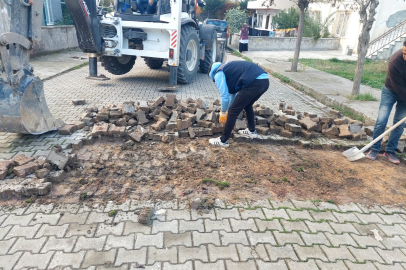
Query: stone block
(184, 133)
(263, 130)
(42, 173)
(306, 134)
(308, 124)
(141, 118)
(116, 114)
(211, 117)
(159, 125)
(5, 165)
(290, 119)
(88, 121)
(400, 148)
(26, 169)
(171, 125)
(369, 130)
(335, 112)
(57, 158)
(67, 130)
(293, 127)
(143, 106)
(240, 124)
(204, 123)
(56, 177)
(182, 106)
(146, 215)
(128, 108)
(191, 132)
(102, 117)
(261, 121)
(341, 121)
(282, 106)
(280, 122)
(101, 130)
(332, 131)
(161, 115)
(122, 122)
(116, 131)
(264, 112)
(188, 115)
(158, 101)
(359, 136)
(78, 102)
(344, 132)
(217, 128)
(154, 113)
(137, 136)
(192, 109)
(286, 133)
(327, 120)
(183, 124)
(289, 112)
(203, 132)
(22, 159)
(78, 124)
(355, 128)
(201, 104)
(170, 100)
(166, 110)
(200, 114)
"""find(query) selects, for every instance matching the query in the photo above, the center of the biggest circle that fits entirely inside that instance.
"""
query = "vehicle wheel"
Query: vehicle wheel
(211, 54)
(118, 65)
(154, 63)
(189, 54)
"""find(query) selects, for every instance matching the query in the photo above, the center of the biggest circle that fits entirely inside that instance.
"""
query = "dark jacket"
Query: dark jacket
(240, 74)
(396, 78)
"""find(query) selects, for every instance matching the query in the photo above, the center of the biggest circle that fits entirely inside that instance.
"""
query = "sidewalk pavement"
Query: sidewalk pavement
(327, 88)
(261, 235)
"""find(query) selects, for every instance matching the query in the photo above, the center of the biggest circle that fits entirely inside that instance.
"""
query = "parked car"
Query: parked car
(222, 37)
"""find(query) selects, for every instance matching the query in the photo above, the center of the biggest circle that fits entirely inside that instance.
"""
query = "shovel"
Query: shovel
(353, 154)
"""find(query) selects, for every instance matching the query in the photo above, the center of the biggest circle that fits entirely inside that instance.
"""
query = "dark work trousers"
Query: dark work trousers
(243, 47)
(244, 100)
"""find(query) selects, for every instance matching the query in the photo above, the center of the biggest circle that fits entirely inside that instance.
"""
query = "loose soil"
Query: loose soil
(149, 171)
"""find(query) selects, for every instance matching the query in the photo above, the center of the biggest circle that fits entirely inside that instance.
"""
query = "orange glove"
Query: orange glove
(223, 117)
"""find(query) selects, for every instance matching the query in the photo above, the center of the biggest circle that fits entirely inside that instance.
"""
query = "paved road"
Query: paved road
(263, 235)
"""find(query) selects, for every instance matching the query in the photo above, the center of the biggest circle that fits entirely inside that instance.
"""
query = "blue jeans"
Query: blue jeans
(149, 8)
(388, 99)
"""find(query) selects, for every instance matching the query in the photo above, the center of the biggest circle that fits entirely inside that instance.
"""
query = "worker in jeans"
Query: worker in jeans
(240, 84)
(150, 8)
(393, 92)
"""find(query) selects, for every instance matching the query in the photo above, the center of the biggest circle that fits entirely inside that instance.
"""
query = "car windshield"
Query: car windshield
(220, 25)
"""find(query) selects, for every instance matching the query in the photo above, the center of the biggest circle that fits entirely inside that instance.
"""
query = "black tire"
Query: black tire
(154, 63)
(187, 70)
(209, 55)
(118, 65)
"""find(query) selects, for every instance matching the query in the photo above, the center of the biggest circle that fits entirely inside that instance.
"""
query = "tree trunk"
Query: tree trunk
(4, 18)
(298, 40)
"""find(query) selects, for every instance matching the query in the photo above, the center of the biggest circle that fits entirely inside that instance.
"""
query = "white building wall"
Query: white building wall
(389, 14)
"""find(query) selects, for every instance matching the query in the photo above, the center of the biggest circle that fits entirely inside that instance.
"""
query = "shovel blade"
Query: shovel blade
(353, 154)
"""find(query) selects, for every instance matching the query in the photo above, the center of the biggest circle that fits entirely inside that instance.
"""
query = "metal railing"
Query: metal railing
(387, 38)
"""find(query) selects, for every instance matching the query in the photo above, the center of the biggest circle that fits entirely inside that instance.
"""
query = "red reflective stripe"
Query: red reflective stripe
(174, 46)
(84, 9)
(173, 43)
(174, 32)
(174, 38)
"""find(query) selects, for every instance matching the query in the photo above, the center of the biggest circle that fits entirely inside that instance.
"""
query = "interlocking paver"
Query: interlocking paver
(339, 265)
(310, 265)
(175, 239)
(162, 255)
(284, 252)
(193, 253)
(288, 238)
(393, 242)
(219, 265)
(209, 215)
(93, 258)
(105, 229)
(26, 231)
(346, 217)
(312, 239)
(339, 253)
(63, 244)
(282, 204)
(32, 245)
(5, 245)
(299, 215)
(240, 265)
(251, 213)
(253, 252)
(66, 208)
(371, 208)
(341, 239)
(40, 208)
(358, 266)
(39, 261)
(238, 225)
(114, 241)
(177, 214)
(279, 213)
(217, 225)
(280, 265)
(343, 228)
(131, 256)
(391, 256)
(319, 227)
(193, 225)
(349, 207)
(227, 213)
(391, 219)
(233, 238)
(78, 229)
(294, 226)
(206, 238)
(47, 230)
(261, 237)
(368, 254)
(365, 229)
(73, 218)
(169, 226)
(391, 230)
(4, 231)
(67, 259)
(7, 262)
(95, 217)
(135, 227)
(305, 253)
(395, 266)
(303, 204)
(327, 206)
(22, 220)
(393, 209)
(369, 218)
(269, 225)
(142, 240)
(367, 241)
(40, 218)
(84, 243)
(323, 216)
(185, 266)
(222, 253)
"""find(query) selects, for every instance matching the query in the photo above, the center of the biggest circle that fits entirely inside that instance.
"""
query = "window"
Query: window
(260, 18)
(341, 24)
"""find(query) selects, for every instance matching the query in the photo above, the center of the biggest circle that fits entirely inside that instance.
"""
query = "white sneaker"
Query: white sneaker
(248, 133)
(217, 142)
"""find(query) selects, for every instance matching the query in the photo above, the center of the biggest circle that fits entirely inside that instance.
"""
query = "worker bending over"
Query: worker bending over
(240, 83)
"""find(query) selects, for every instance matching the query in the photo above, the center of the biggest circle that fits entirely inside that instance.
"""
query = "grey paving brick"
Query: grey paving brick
(206, 238)
(327, 206)
(392, 230)
(105, 229)
(312, 239)
(47, 230)
(67, 259)
(39, 261)
(94, 258)
(177, 214)
(7, 262)
(135, 227)
(218, 203)
(350, 207)
(4, 231)
(305, 253)
(367, 241)
(271, 214)
(68, 217)
(338, 265)
(319, 227)
(219, 265)
(85, 243)
(162, 255)
(233, 238)
(227, 213)
(395, 266)
(368, 254)
(261, 237)
(393, 209)
(66, 208)
(32, 245)
(156, 240)
(222, 253)
(310, 265)
(281, 252)
(283, 204)
(22, 220)
(185, 266)
(238, 225)
(341, 239)
(281, 265)
(175, 239)
(369, 218)
(131, 256)
(125, 216)
(210, 215)
(5, 245)
(268, 225)
(95, 217)
(123, 207)
(371, 208)
(365, 229)
(253, 252)
(217, 225)
(294, 226)
(78, 229)
(114, 241)
(170, 226)
(343, 228)
(346, 217)
(62, 244)
(358, 266)
(251, 213)
(317, 216)
(391, 256)
(193, 253)
(25, 231)
(193, 225)
(391, 219)
(288, 238)
(240, 265)
(393, 242)
(93, 208)
(303, 204)
(40, 208)
(339, 253)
